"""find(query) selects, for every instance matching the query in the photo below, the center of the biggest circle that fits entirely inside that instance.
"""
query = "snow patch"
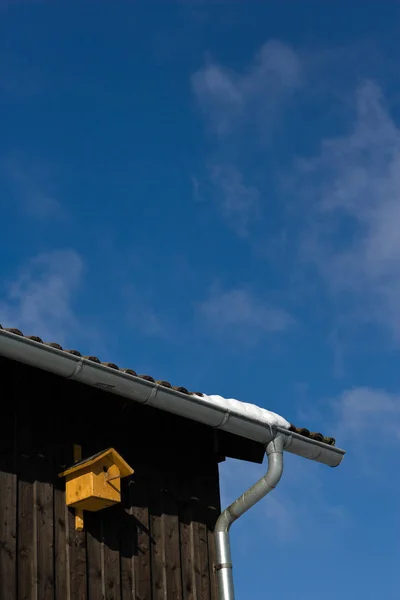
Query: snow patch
(249, 411)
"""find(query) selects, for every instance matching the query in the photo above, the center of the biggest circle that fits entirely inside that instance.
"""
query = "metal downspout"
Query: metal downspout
(264, 486)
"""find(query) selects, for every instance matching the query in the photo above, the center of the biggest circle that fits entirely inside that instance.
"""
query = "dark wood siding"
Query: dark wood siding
(157, 544)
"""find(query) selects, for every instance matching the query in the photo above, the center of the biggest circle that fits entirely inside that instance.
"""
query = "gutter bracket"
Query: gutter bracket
(152, 394)
(224, 420)
(77, 370)
(223, 566)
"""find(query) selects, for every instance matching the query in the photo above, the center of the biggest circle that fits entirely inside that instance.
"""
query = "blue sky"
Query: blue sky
(210, 193)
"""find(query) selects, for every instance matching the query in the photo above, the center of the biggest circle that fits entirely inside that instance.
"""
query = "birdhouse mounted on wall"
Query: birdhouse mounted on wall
(95, 482)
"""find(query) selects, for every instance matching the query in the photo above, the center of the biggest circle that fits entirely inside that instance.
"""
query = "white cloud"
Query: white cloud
(39, 300)
(226, 97)
(365, 410)
(219, 96)
(355, 184)
(239, 312)
(347, 196)
(237, 104)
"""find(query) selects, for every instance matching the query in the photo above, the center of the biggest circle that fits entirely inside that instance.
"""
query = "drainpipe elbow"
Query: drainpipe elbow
(259, 490)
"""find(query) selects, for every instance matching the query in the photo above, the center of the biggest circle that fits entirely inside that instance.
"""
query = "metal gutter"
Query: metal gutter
(192, 407)
(257, 492)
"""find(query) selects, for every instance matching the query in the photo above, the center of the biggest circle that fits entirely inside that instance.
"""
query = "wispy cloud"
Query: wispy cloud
(239, 312)
(219, 96)
(243, 103)
(355, 186)
(347, 196)
(239, 203)
(228, 97)
(366, 411)
(40, 299)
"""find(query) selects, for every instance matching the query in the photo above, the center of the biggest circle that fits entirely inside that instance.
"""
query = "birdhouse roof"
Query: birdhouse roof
(116, 458)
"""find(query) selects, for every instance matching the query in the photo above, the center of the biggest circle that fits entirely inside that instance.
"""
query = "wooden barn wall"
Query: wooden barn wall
(157, 544)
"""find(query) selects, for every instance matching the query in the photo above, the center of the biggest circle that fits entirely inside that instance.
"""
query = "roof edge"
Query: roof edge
(140, 390)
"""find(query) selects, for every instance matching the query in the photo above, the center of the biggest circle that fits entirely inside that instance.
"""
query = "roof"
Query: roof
(110, 453)
(302, 431)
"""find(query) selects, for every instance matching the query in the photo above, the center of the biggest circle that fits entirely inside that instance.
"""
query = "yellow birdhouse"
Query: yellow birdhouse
(95, 482)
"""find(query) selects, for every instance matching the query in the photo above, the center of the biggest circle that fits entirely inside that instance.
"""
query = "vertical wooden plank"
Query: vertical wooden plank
(26, 544)
(60, 545)
(89, 542)
(8, 505)
(128, 542)
(142, 552)
(77, 560)
(190, 588)
(112, 576)
(61, 558)
(45, 544)
(211, 487)
(158, 575)
(194, 537)
(200, 537)
(170, 530)
(95, 566)
(200, 512)
(8, 533)
(44, 517)
(76, 546)
(76, 540)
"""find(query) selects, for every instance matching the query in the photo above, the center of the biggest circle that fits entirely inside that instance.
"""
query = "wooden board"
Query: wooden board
(95, 555)
(170, 539)
(61, 555)
(111, 531)
(27, 550)
(128, 542)
(8, 506)
(139, 497)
